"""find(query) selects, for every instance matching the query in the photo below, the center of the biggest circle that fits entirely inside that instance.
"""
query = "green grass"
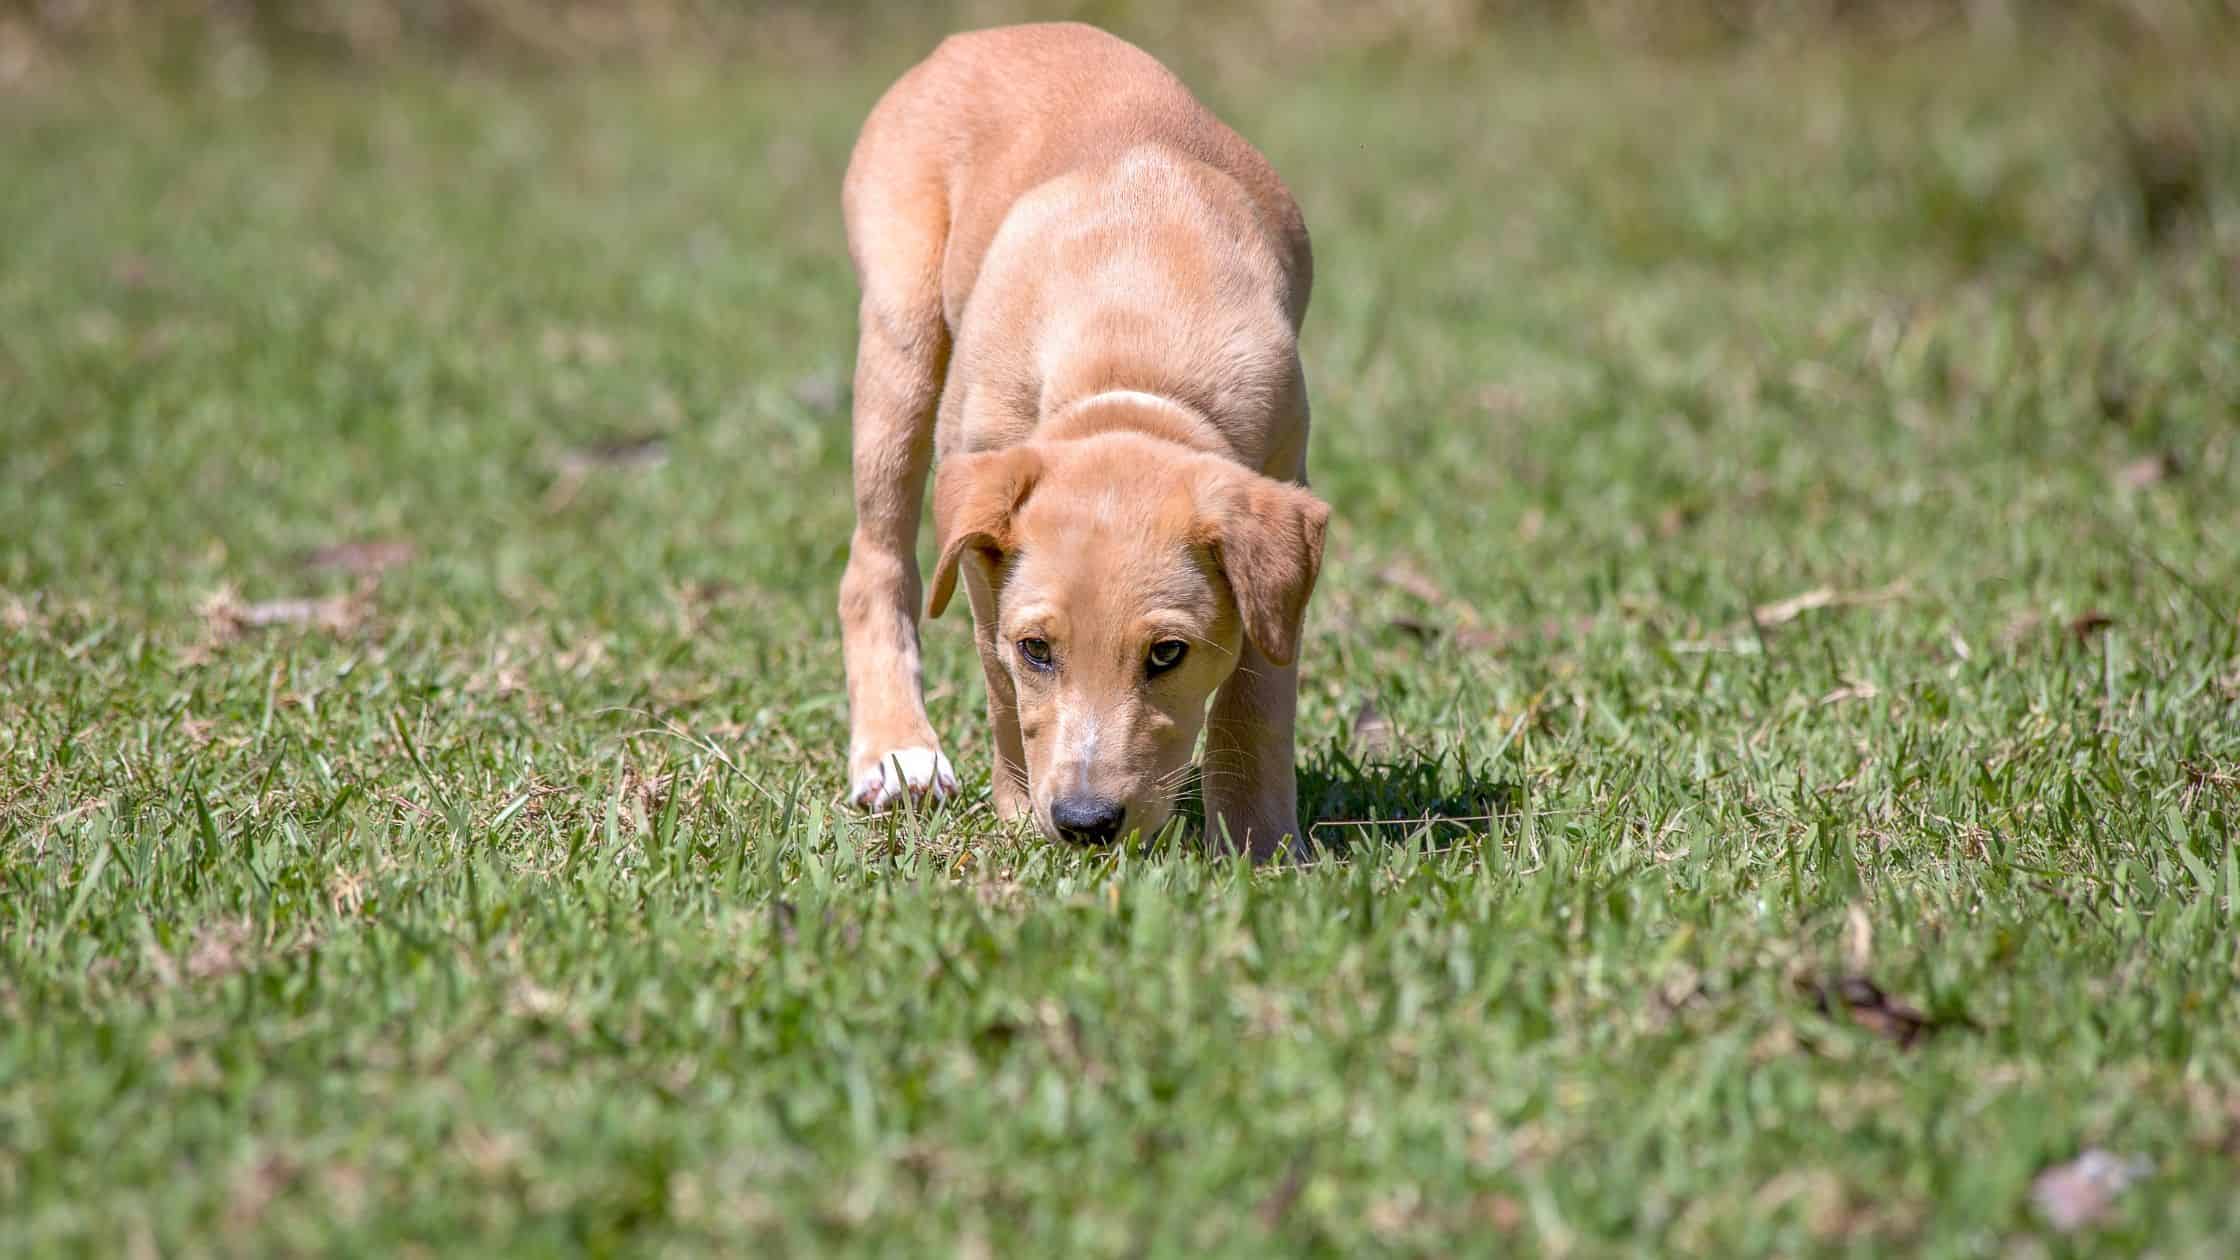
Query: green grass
(504, 907)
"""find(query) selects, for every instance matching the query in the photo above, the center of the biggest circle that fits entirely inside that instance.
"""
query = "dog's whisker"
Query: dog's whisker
(1220, 752)
(1240, 762)
(1232, 758)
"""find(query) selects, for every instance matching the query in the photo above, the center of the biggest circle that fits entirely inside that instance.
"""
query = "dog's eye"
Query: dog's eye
(1035, 652)
(1165, 655)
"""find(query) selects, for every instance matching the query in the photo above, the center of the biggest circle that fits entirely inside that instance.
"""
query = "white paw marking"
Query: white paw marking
(906, 773)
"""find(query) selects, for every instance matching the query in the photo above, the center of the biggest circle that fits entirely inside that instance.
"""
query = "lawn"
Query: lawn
(1773, 698)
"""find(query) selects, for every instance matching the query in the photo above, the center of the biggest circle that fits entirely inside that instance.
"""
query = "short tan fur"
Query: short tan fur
(1082, 293)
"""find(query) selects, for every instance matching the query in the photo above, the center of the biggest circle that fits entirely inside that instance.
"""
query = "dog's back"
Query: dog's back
(1016, 107)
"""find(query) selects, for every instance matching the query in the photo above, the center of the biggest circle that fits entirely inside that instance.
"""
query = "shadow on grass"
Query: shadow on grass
(1350, 803)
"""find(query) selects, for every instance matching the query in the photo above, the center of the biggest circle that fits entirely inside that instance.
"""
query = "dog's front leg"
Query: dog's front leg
(893, 754)
(1251, 786)
(1008, 779)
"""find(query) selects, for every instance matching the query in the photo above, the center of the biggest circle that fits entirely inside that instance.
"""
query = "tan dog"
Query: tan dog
(1096, 287)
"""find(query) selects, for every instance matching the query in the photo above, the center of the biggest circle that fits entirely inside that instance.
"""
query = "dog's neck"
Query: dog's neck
(1131, 411)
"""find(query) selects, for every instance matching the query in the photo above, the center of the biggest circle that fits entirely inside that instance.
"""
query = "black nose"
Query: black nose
(1087, 820)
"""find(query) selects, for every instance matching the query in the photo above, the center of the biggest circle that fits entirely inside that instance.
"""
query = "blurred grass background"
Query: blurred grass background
(1787, 472)
(48, 36)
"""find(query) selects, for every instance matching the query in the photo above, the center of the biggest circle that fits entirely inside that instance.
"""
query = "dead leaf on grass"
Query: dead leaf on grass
(2207, 778)
(2073, 1195)
(997, 1035)
(2115, 393)
(577, 464)
(1373, 735)
(1683, 990)
(1676, 519)
(219, 950)
(1415, 628)
(2083, 627)
(1864, 1002)
(2166, 170)
(225, 616)
(1406, 577)
(1783, 611)
(1000, 892)
(363, 557)
(1851, 691)
(642, 450)
(1066, 1039)
(331, 612)
(346, 892)
(1858, 938)
(1817, 1194)
(2148, 470)
(1786, 610)
(1277, 1204)
(1502, 1213)
(257, 1185)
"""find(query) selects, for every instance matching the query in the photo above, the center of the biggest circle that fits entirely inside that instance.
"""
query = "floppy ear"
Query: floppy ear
(974, 497)
(1267, 537)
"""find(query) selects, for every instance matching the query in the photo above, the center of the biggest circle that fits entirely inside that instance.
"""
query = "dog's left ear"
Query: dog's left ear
(1267, 537)
(974, 498)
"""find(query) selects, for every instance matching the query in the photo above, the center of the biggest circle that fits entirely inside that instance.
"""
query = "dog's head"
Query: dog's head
(1118, 580)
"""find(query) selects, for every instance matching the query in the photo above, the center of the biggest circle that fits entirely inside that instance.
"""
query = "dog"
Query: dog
(1083, 293)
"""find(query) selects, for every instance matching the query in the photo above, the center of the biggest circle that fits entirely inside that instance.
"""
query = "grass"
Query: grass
(491, 897)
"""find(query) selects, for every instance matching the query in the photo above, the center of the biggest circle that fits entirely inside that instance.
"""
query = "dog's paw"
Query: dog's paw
(906, 774)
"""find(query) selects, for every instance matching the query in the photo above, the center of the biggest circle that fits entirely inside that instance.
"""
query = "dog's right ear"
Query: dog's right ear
(974, 498)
